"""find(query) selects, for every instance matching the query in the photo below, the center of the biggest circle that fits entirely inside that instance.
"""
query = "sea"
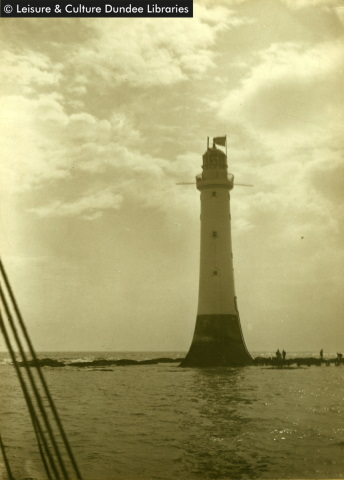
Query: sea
(163, 422)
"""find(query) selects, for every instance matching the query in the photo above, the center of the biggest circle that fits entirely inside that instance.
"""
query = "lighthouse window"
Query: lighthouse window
(214, 233)
(215, 272)
(213, 194)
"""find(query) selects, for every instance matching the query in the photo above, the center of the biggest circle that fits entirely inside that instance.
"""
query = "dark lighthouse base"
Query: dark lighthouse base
(217, 342)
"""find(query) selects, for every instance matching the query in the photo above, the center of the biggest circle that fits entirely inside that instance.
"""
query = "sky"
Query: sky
(100, 118)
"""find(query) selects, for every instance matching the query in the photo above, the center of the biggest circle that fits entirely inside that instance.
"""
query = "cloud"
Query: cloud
(61, 154)
(41, 141)
(291, 104)
(299, 4)
(340, 13)
(28, 156)
(55, 137)
(229, 3)
(293, 97)
(300, 196)
(28, 69)
(149, 53)
(326, 176)
(89, 207)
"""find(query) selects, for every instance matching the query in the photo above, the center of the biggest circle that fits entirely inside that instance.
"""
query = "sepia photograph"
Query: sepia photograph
(172, 242)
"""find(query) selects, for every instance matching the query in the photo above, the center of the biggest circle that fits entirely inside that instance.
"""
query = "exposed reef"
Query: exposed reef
(258, 361)
(49, 362)
(123, 362)
(43, 362)
(298, 361)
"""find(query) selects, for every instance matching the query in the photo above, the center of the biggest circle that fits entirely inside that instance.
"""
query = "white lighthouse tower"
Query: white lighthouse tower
(218, 339)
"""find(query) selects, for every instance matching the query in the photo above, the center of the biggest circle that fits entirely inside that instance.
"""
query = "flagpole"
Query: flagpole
(226, 145)
(207, 143)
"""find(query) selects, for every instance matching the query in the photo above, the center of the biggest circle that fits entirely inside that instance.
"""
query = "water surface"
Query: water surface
(165, 422)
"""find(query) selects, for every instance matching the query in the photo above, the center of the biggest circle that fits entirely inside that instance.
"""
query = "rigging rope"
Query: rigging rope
(48, 453)
(33, 415)
(34, 387)
(7, 465)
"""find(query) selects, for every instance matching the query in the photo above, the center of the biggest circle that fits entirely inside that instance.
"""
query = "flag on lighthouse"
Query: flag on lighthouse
(220, 141)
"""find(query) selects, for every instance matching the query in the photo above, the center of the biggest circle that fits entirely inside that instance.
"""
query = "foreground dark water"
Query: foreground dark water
(164, 422)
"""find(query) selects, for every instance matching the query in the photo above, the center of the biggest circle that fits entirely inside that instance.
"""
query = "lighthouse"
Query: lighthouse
(218, 338)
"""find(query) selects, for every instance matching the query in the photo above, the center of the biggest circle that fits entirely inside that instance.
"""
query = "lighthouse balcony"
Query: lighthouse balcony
(216, 180)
